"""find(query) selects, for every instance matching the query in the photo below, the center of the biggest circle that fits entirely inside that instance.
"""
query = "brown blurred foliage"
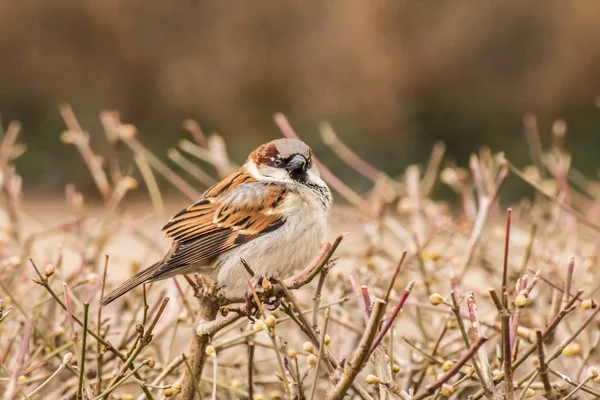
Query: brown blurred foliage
(403, 73)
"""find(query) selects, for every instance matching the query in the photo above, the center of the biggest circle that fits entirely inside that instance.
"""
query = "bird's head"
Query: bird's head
(284, 160)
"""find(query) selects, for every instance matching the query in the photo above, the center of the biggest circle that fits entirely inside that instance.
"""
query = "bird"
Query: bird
(271, 213)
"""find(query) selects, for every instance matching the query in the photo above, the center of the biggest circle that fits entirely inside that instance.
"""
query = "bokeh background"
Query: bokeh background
(392, 77)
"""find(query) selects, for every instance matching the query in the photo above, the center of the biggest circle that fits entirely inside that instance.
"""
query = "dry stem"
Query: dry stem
(364, 349)
(452, 371)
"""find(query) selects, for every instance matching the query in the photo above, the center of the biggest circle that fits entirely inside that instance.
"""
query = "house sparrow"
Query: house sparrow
(272, 213)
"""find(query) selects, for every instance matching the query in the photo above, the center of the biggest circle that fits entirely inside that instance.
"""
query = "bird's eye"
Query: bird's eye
(278, 162)
(309, 164)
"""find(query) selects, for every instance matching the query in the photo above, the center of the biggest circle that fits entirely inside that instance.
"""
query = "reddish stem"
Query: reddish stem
(366, 299)
(392, 317)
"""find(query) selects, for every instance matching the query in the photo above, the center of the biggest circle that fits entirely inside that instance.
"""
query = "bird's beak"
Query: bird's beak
(296, 164)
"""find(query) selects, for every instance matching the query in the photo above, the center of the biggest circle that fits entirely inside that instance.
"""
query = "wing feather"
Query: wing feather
(231, 213)
(234, 211)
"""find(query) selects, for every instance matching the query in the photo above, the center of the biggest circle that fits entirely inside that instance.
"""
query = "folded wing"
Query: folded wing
(231, 213)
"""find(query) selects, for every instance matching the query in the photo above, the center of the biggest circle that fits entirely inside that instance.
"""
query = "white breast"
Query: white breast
(288, 248)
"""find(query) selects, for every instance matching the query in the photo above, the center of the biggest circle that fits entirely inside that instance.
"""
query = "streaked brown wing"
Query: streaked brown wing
(231, 213)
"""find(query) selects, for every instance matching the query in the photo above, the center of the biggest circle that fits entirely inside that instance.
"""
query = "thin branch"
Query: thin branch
(392, 317)
(573, 383)
(486, 372)
(509, 391)
(580, 217)
(251, 370)
(330, 138)
(146, 338)
(570, 270)
(127, 134)
(548, 331)
(559, 349)
(13, 385)
(99, 353)
(320, 355)
(485, 203)
(286, 384)
(505, 264)
(455, 307)
(577, 388)
(204, 331)
(193, 377)
(317, 297)
(452, 371)
(86, 308)
(543, 366)
(309, 273)
(361, 356)
(396, 272)
(81, 140)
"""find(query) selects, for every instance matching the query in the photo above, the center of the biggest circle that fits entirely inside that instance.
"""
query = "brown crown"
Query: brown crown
(265, 154)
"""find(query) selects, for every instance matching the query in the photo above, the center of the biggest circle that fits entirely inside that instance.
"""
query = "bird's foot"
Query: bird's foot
(273, 302)
(251, 308)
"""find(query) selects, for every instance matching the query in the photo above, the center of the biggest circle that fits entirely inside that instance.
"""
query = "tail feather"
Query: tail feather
(131, 283)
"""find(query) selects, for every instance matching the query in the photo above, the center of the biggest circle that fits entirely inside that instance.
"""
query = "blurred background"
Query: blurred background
(392, 77)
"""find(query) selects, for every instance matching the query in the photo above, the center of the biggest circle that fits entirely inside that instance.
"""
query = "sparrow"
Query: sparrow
(272, 213)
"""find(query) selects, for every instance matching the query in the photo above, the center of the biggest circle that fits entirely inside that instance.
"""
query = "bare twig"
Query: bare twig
(486, 372)
(580, 217)
(507, 360)
(388, 323)
(127, 134)
(485, 203)
(286, 383)
(8, 142)
(360, 297)
(543, 367)
(364, 291)
(452, 371)
(529, 248)
(315, 267)
(505, 264)
(330, 138)
(455, 307)
(81, 140)
(548, 331)
(251, 370)
(150, 180)
(433, 166)
(192, 169)
(193, 377)
(393, 280)
(320, 355)
(317, 297)
(99, 352)
(361, 356)
(145, 339)
(206, 327)
(60, 368)
(13, 385)
(533, 140)
(577, 388)
(569, 280)
(573, 383)
(194, 129)
(559, 349)
(86, 308)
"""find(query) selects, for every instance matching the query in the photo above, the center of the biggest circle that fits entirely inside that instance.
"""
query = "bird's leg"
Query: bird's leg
(274, 303)
(264, 293)
(270, 298)
(250, 307)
